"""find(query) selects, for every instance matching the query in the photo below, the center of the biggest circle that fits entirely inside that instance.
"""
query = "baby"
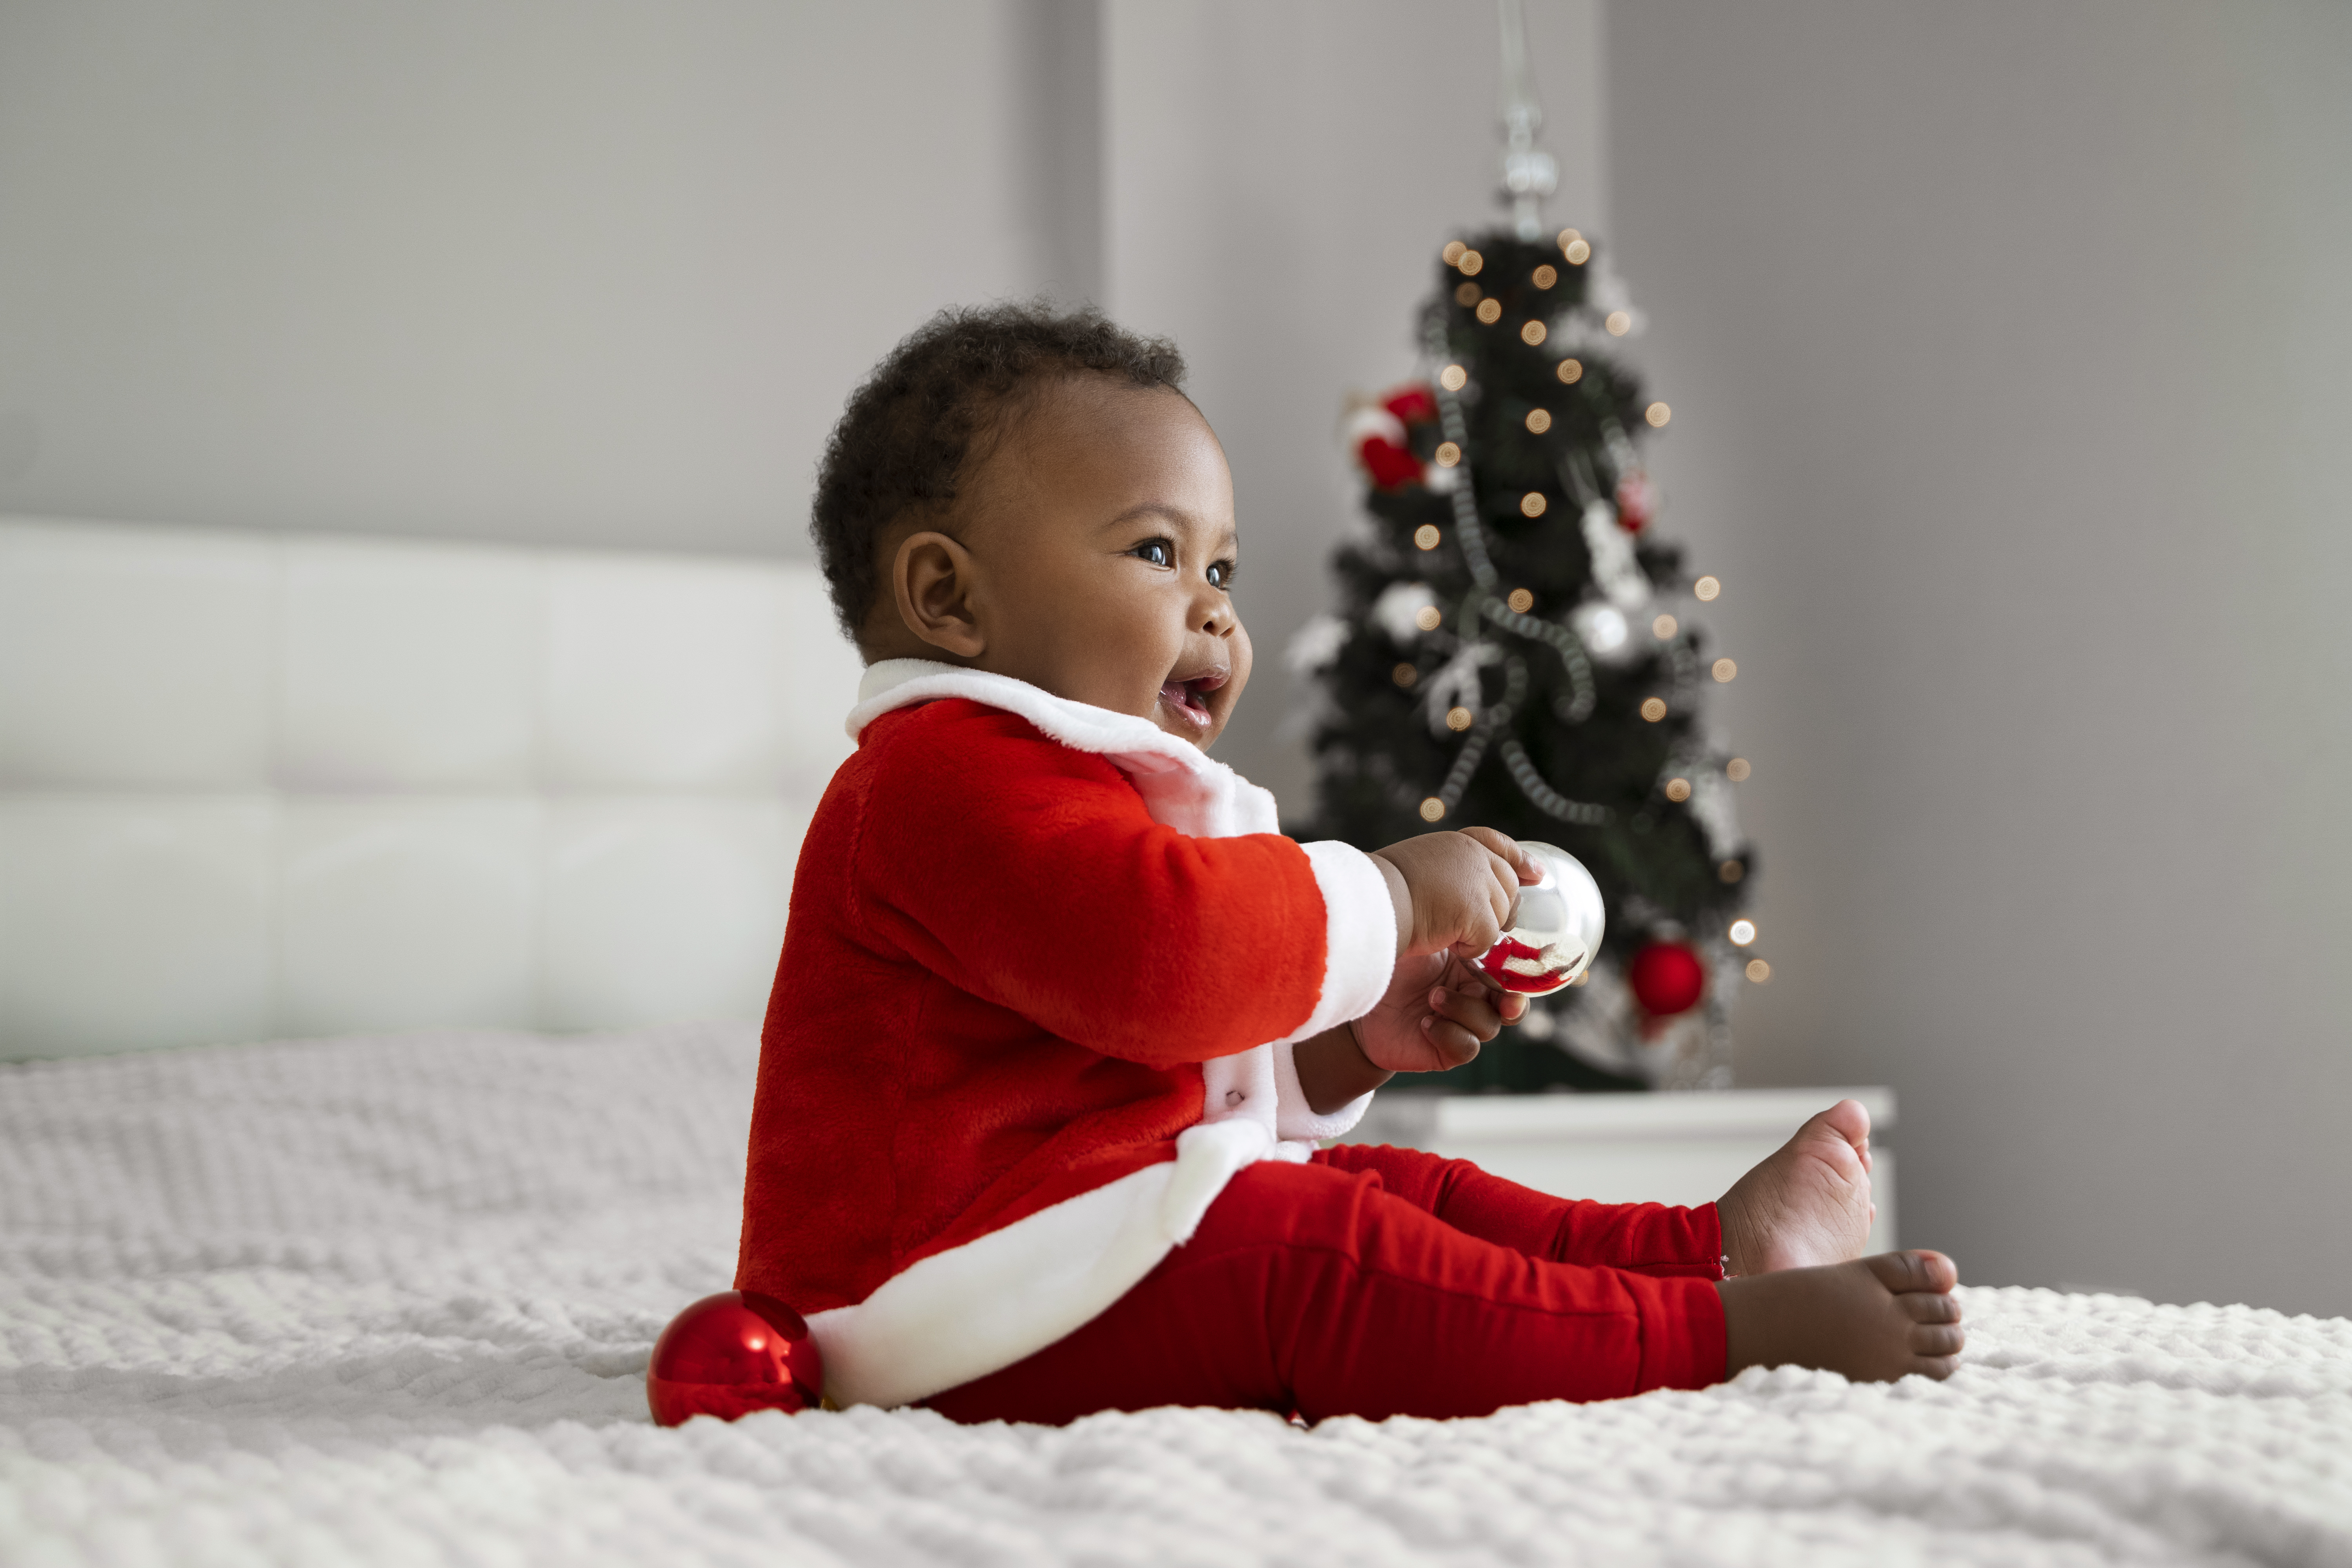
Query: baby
(1062, 1018)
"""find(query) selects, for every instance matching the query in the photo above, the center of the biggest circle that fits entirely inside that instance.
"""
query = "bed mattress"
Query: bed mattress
(390, 1300)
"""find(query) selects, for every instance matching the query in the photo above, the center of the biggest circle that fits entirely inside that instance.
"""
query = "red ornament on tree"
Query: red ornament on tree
(1413, 403)
(1376, 434)
(1637, 500)
(732, 1353)
(1666, 978)
(1390, 465)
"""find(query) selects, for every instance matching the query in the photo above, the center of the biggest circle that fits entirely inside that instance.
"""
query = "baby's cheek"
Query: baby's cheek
(1243, 654)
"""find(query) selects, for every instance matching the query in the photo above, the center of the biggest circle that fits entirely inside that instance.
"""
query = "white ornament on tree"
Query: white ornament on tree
(1614, 568)
(1711, 806)
(1397, 611)
(1605, 632)
(1315, 645)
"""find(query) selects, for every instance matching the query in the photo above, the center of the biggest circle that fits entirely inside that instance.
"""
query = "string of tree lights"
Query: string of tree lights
(1515, 648)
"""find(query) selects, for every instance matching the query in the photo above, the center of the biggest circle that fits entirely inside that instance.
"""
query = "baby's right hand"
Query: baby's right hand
(1456, 888)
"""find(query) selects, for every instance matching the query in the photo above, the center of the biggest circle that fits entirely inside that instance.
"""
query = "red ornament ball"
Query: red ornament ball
(732, 1353)
(1667, 978)
(1413, 403)
(1390, 465)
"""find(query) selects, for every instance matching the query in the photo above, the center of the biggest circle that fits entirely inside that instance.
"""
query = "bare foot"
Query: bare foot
(1809, 1204)
(1875, 1320)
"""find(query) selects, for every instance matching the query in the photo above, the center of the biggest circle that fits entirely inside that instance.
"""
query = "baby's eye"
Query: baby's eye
(1158, 551)
(1221, 574)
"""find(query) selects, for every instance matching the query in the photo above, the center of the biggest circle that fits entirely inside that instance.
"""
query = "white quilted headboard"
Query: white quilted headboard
(262, 784)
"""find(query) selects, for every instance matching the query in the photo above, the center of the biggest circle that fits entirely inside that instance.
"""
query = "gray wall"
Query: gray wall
(2007, 348)
(553, 270)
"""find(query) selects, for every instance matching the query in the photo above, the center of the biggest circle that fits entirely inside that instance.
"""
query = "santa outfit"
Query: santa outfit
(1028, 1140)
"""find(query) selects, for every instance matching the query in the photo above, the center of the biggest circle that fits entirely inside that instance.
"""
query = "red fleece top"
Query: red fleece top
(1000, 977)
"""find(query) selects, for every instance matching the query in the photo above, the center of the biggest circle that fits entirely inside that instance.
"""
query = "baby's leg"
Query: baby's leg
(1806, 1204)
(1653, 1237)
(1310, 1290)
(1875, 1320)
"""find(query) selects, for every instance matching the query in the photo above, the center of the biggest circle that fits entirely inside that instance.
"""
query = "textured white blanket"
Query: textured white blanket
(390, 1300)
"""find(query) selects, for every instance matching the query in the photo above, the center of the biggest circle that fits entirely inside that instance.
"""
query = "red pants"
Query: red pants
(1379, 1282)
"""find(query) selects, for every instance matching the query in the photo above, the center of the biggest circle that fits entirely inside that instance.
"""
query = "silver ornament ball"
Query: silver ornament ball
(1555, 927)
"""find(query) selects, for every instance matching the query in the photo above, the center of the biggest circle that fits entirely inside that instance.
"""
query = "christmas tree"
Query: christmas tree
(1515, 647)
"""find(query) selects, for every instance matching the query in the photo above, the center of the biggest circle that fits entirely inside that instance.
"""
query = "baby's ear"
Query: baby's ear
(932, 578)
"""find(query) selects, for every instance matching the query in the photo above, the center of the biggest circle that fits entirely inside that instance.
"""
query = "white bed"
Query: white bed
(256, 785)
(389, 1299)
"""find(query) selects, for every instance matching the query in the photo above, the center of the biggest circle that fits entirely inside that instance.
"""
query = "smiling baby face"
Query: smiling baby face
(1093, 555)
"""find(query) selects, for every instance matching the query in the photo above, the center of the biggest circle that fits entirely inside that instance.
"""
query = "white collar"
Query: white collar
(1181, 785)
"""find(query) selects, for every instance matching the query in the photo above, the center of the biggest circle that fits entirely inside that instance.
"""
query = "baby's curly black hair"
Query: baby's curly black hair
(906, 436)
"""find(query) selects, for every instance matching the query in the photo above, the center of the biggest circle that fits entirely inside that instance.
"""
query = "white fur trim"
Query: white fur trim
(1207, 1155)
(1182, 786)
(1359, 935)
(1294, 1121)
(976, 1308)
(1372, 420)
(1359, 938)
(964, 1313)
(1241, 1085)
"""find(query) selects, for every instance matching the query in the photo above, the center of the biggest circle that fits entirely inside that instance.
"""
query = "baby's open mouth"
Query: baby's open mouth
(1189, 698)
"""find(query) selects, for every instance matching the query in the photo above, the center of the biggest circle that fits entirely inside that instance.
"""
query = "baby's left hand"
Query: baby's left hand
(1437, 1015)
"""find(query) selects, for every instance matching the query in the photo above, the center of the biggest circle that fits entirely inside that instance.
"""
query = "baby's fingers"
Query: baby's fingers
(1507, 869)
(1471, 1011)
(1524, 870)
(1488, 912)
(1453, 1044)
(1465, 976)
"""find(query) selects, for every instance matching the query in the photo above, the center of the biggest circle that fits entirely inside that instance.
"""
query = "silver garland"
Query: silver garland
(1485, 605)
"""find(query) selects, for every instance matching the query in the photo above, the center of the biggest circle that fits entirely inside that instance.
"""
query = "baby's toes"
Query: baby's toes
(1937, 1339)
(1929, 1306)
(1904, 1272)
